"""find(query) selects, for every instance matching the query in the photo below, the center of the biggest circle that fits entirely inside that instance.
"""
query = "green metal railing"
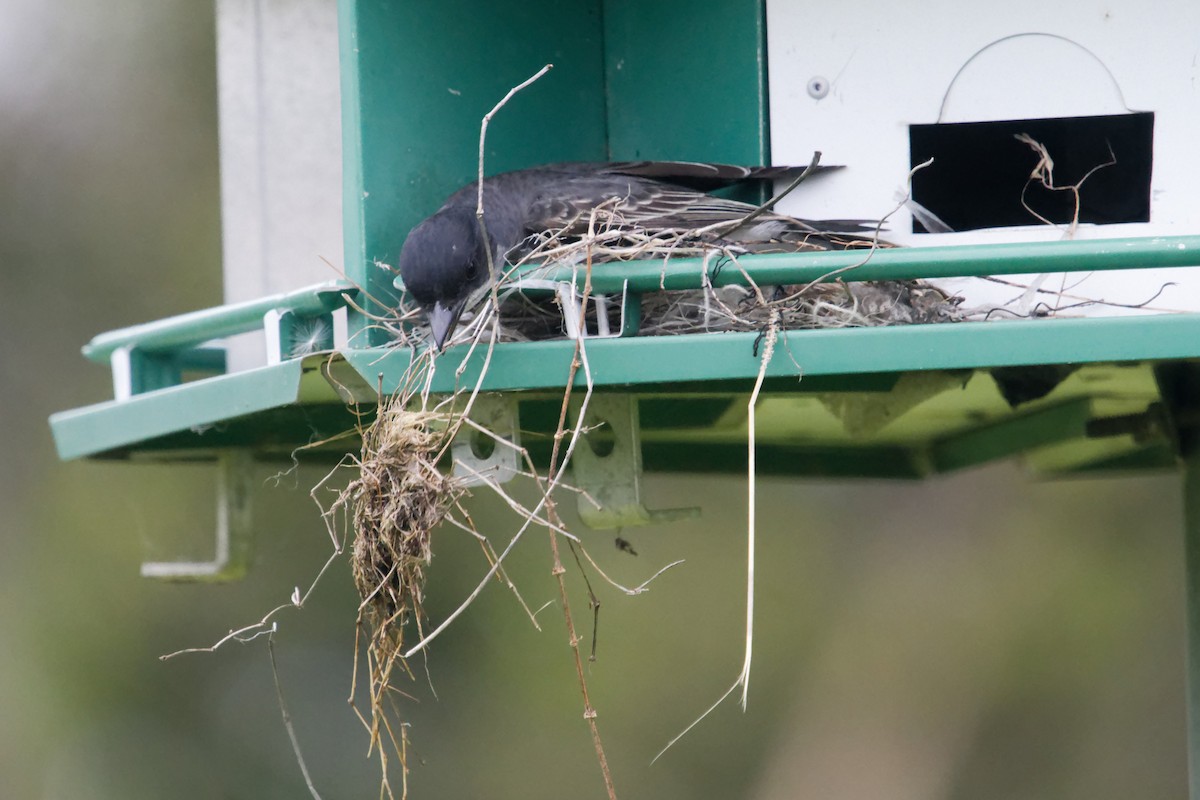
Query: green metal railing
(189, 330)
(181, 333)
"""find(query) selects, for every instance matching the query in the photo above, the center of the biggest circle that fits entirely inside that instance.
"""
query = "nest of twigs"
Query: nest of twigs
(607, 238)
(739, 308)
(822, 305)
(397, 499)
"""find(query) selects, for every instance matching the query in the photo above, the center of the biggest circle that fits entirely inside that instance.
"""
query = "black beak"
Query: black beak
(442, 321)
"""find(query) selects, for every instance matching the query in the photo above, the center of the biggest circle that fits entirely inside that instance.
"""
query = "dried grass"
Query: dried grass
(823, 305)
(398, 498)
(393, 504)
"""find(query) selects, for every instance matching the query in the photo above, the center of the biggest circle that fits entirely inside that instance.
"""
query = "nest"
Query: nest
(824, 305)
(608, 237)
(398, 498)
(738, 308)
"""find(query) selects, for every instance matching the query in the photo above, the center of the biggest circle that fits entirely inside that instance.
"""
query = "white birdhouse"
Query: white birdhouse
(1044, 121)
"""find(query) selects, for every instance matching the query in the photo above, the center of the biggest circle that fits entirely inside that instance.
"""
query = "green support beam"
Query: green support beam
(1012, 436)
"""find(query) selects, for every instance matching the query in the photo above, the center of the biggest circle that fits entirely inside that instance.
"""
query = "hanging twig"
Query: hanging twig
(287, 718)
(556, 470)
(743, 679)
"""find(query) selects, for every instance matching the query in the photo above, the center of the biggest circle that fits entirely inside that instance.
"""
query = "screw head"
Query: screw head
(818, 87)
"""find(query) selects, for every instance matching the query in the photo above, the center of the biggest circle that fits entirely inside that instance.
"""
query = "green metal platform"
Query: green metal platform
(903, 401)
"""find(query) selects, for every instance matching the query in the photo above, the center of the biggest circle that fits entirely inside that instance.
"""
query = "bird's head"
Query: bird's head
(443, 261)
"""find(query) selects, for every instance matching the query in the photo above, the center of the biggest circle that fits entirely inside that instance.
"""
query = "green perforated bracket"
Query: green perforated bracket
(489, 453)
(607, 466)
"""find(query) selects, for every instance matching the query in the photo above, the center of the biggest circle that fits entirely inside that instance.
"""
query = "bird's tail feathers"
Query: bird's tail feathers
(706, 177)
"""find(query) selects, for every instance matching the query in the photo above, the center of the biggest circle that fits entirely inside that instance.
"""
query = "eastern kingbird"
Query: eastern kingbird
(444, 261)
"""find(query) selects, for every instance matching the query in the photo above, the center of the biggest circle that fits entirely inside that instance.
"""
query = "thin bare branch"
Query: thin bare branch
(287, 719)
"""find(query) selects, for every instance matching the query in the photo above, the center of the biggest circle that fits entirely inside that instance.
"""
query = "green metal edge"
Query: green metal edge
(105, 426)
(722, 356)
(353, 221)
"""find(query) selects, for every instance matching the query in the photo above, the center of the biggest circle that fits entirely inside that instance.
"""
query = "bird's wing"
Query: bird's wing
(628, 202)
(561, 199)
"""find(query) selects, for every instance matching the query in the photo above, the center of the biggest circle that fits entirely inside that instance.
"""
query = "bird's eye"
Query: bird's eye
(472, 271)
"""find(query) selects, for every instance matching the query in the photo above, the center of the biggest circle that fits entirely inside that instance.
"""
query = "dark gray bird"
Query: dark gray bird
(444, 261)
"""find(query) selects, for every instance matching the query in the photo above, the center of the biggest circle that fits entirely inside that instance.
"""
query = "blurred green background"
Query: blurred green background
(981, 636)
